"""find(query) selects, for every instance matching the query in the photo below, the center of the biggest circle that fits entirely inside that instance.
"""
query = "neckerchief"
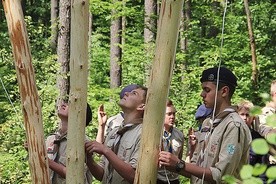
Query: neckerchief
(222, 115)
(167, 142)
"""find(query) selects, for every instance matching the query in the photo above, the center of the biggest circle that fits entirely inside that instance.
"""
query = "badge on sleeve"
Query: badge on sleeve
(231, 149)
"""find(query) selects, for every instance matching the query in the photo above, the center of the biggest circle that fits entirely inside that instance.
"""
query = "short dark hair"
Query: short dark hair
(169, 103)
(231, 88)
(88, 114)
(145, 89)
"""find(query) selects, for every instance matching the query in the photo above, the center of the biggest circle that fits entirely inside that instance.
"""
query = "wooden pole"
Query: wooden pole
(78, 91)
(31, 107)
(166, 41)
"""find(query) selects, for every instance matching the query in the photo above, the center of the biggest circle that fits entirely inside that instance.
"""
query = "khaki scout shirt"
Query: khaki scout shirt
(227, 148)
(127, 151)
(260, 123)
(177, 141)
(58, 154)
(112, 122)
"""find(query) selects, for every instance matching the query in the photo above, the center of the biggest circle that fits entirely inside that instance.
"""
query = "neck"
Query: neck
(130, 118)
(220, 107)
(63, 125)
(167, 128)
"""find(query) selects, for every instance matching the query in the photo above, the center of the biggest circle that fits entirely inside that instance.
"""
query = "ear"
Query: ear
(225, 91)
(141, 107)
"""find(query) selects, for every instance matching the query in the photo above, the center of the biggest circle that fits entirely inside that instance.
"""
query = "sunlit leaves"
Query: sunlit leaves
(258, 169)
(260, 146)
(271, 120)
(229, 179)
(246, 171)
(253, 180)
(271, 138)
(271, 172)
(256, 110)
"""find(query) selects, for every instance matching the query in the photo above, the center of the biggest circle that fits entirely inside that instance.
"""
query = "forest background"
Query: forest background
(199, 47)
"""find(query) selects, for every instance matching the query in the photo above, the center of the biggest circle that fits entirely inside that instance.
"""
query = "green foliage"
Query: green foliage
(271, 138)
(250, 174)
(260, 146)
(258, 169)
(271, 120)
(246, 172)
(271, 172)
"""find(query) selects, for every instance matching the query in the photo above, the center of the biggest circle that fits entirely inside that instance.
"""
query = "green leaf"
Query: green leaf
(271, 120)
(265, 96)
(260, 146)
(258, 169)
(229, 179)
(271, 172)
(256, 110)
(253, 180)
(271, 138)
(246, 171)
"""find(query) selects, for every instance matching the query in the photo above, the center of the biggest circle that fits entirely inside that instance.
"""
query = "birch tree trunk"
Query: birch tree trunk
(115, 50)
(167, 35)
(78, 91)
(63, 50)
(252, 44)
(31, 107)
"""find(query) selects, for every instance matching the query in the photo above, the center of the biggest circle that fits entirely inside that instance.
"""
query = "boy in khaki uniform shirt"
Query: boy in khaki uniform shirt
(224, 141)
(120, 149)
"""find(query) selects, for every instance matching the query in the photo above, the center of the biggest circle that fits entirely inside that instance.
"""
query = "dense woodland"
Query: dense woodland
(200, 46)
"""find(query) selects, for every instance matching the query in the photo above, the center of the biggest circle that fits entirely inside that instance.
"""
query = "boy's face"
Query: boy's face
(133, 100)
(63, 110)
(208, 94)
(170, 116)
(245, 116)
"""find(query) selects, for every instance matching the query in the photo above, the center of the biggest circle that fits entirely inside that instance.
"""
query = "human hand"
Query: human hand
(94, 146)
(102, 116)
(168, 160)
(192, 140)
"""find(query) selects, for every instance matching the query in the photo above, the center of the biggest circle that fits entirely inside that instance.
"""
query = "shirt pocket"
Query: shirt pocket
(176, 145)
(125, 151)
(110, 143)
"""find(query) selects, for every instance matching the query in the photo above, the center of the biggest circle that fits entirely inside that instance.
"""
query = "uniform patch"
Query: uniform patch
(213, 148)
(230, 149)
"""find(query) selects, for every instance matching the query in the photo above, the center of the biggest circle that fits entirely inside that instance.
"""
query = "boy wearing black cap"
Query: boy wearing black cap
(224, 141)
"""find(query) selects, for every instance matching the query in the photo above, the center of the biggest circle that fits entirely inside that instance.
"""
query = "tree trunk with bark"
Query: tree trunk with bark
(184, 28)
(150, 22)
(31, 107)
(186, 17)
(167, 35)
(115, 49)
(63, 50)
(78, 91)
(252, 45)
(54, 25)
